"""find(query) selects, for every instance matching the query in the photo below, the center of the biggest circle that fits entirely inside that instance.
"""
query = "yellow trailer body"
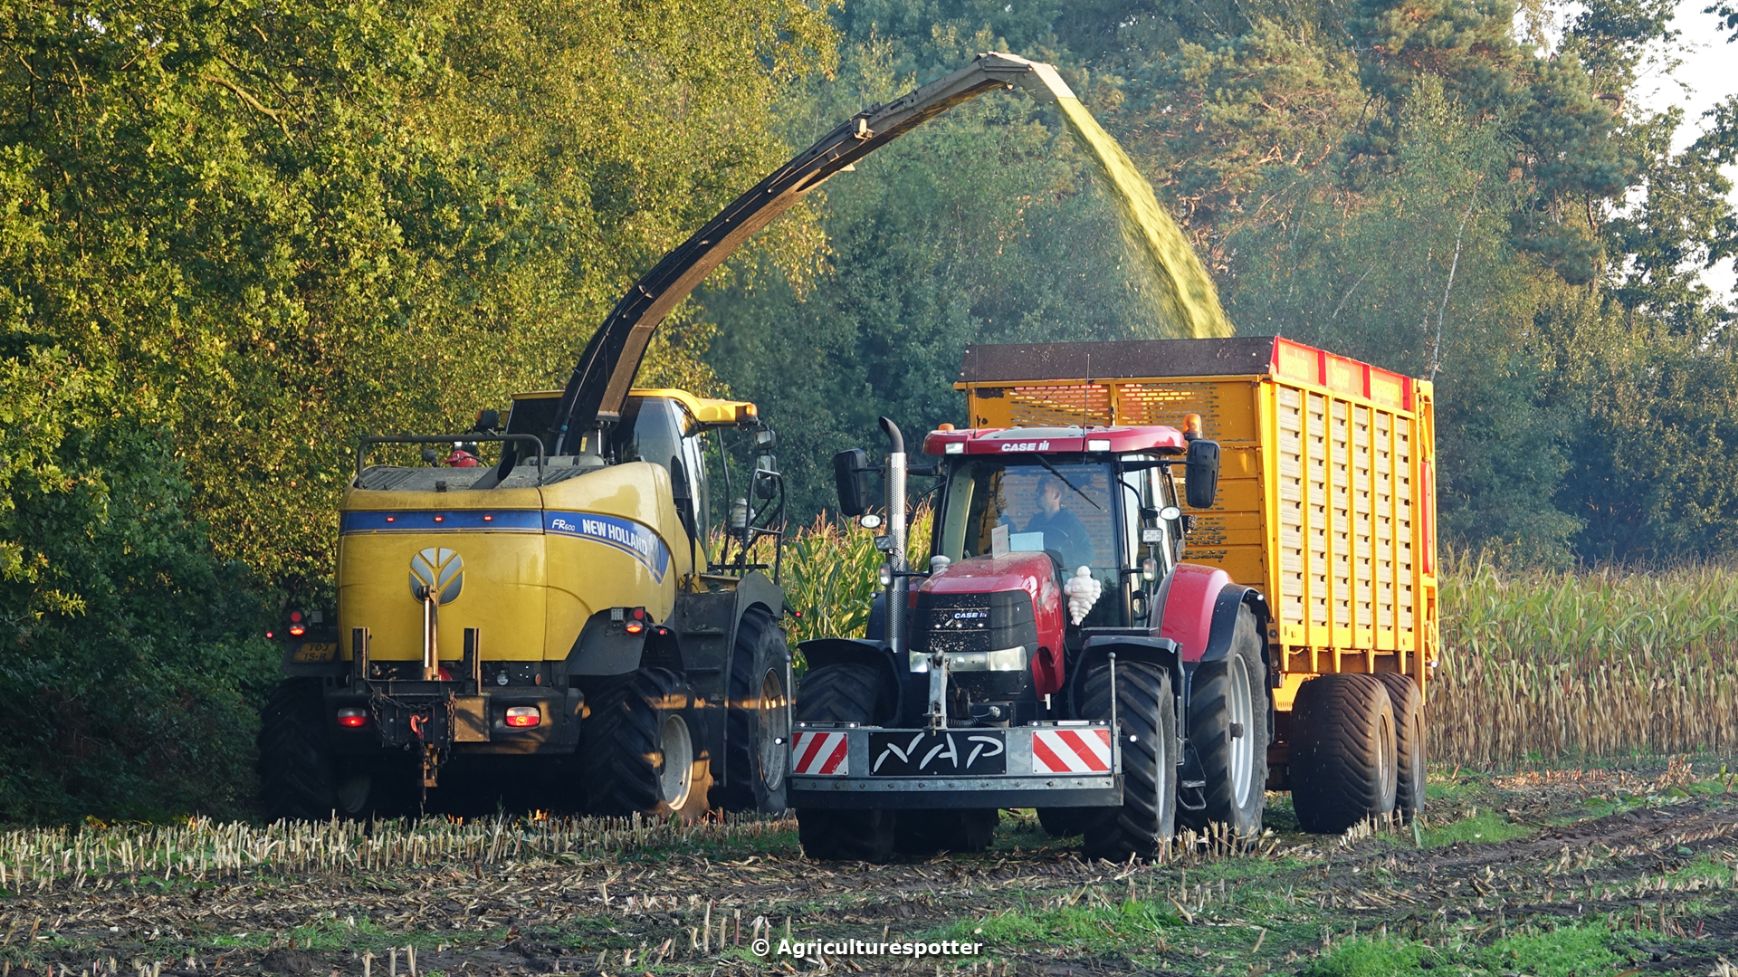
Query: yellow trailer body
(1326, 499)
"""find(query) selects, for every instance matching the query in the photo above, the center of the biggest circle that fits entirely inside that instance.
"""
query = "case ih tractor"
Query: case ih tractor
(1060, 653)
(1041, 660)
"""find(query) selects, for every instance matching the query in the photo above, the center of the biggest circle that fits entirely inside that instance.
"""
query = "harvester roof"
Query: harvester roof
(1054, 440)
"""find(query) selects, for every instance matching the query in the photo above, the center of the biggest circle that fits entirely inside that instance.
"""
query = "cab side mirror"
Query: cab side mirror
(850, 473)
(1201, 473)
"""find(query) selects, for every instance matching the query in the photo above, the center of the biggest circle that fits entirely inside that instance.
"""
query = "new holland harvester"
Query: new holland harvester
(1130, 627)
(558, 615)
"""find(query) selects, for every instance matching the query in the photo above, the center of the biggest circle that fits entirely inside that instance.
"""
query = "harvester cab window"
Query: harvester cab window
(660, 430)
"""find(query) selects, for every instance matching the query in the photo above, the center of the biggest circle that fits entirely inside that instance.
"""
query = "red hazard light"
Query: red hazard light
(523, 717)
(440, 518)
(352, 718)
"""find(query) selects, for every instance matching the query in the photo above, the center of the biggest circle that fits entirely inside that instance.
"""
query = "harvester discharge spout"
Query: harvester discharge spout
(599, 384)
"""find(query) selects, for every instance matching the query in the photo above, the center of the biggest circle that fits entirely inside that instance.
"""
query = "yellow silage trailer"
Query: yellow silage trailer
(1326, 494)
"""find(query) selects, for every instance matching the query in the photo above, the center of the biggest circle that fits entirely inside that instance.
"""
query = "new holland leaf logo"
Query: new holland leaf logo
(439, 571)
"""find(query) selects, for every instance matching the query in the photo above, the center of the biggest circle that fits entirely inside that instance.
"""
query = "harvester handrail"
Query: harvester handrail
(369, 441)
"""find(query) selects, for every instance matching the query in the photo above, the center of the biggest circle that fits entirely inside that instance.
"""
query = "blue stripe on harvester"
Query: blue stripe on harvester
(451, 521)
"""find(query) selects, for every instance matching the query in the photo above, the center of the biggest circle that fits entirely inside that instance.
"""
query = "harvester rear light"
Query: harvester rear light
(634, 627)
(352, 718)
(440, 518)
(523, 717)
(296, 630)
(954, 448)
(488, 517)
(1098, 444)
(636, 620)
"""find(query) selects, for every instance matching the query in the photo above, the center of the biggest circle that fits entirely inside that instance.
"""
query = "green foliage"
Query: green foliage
(235, 237)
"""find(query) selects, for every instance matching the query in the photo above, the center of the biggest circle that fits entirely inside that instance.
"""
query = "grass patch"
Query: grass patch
(1084, 927)
(1486, 828)
(1583, 950)
(1705, 866)
(1372, 957)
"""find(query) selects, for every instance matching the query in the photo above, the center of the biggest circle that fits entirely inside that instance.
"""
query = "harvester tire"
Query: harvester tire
(932, 832)
(757, 726)
(1063, 822)
(641, 752)
(1147, 714)
(843, 693)
(1343, 763)
(296, 775)
(1409, 742)
(1227, 735)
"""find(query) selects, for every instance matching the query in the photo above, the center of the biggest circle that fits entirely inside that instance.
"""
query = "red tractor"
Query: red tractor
(1057, 654)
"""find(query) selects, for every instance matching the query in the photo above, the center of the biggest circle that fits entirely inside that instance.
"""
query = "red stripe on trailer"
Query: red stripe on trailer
(836, 762)
(811, 744)
(1079, 745)
(1046, 761)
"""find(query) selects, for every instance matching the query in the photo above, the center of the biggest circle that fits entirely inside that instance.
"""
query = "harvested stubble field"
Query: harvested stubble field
(1541, 872)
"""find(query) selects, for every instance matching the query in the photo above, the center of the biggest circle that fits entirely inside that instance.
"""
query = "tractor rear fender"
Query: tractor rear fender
(1161, 652)
(821, 652)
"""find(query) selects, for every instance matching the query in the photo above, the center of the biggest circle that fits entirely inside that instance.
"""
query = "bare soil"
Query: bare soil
(1650, 856)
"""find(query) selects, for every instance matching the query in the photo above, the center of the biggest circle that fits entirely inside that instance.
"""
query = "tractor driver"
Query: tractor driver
(1063, 531)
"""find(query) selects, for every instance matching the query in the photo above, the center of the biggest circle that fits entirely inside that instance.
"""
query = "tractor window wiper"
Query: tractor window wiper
(1052, 469)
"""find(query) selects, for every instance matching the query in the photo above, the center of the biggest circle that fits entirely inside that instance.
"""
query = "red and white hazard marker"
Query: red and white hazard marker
(1071, 751)
(819, 754)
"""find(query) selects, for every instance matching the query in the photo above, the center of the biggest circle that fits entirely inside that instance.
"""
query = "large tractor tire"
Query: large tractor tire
(1227, 736)
(301, 780)
(757, 725)
(641, 752)
(931, 832)
(296, 775)
(1147, 712)
(1409, 742)
(845, 693)
(1343, 763)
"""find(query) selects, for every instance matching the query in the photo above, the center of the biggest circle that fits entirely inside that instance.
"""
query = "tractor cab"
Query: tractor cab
(1105, 503)
(1043, 539)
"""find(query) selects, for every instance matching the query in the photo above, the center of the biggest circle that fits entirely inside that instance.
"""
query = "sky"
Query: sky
(1708, 74)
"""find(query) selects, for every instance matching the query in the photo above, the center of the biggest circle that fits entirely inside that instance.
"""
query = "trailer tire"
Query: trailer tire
(1228, 733)
(641, 754)
(930, 832)
(849, 692)
(1147, 712)
(1343, 767)
(1409, 742)
(297, 779)
(757, 725)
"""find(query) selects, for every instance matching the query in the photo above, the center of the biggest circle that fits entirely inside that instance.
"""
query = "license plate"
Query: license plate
(949, 753)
